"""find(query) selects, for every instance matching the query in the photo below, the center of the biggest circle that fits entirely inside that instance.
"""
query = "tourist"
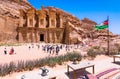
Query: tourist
(50, 49)
(53, 48)
(43, 48)
(67, 48)
(32, 45)
(57, 50)
(29, 47)
(5, 51)
(60, 46)
(11, 51)
(38, 46)
(47, 48)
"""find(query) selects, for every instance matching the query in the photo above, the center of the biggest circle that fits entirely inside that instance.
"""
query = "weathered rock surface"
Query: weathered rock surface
(9, 18)
(9, 21)
(82, 29)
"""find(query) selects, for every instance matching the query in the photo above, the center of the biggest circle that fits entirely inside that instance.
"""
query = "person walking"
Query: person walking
(57, 50)
(29, 47)
(5, 51)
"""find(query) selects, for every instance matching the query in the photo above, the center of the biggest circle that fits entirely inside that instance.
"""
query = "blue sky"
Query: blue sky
(96, 10)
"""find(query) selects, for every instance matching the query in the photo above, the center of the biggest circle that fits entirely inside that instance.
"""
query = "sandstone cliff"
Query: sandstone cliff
(9, 18)
(79, 29)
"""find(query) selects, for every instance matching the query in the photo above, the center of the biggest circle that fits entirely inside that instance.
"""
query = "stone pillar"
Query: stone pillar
(34, 21)
(55, 36)
(50, 22)
(20, 37)
(28, 37)
(37, 37)
(50, 37)
(45, 22)
(28, 22)
(33, 37)
(46, 37)
(61, 37)
(61, 21)
(55, 23)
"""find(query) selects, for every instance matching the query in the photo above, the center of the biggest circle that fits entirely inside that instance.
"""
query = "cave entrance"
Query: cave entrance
(41, 37)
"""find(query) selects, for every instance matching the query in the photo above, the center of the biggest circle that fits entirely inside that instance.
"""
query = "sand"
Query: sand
(101, 62)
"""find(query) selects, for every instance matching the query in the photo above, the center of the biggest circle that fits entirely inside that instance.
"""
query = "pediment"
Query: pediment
(31, 11)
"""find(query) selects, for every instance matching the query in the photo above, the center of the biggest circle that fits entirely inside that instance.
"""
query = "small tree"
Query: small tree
(91, 53)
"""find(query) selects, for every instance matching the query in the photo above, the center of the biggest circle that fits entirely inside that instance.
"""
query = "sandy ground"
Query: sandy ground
(23, 53)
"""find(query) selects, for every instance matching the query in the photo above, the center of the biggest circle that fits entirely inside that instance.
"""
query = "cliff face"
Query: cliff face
(81, 30)
(9, 18)
(11, 7)
(9, 21)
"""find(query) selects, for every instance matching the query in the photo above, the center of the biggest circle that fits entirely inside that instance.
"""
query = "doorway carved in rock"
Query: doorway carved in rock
(41, 37)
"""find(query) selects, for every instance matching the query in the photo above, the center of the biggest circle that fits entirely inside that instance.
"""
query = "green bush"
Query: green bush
(52, 62)
(96, 47)
(20, 66)
(118, 48)
(29, 65)
(4, 70)
(113, 51)
(91, 53)
(11, 67)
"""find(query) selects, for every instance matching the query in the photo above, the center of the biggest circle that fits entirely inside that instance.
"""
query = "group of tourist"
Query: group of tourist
(47, 48)
(10, 52)
(53, 48)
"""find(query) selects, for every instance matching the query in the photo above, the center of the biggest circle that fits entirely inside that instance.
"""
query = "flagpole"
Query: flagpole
(108, 42)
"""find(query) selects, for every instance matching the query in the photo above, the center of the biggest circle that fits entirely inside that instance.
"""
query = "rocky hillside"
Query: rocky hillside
(11, 7)
(82, 29)
(9, 21)
(9, 18)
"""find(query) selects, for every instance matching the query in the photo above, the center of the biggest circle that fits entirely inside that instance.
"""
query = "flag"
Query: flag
(103, 25)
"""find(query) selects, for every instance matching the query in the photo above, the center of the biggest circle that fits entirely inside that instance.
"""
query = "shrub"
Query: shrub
(11, 67)
(91, 53)
(118, 48)
(52, 62)
(60, 59)
(20, 66)
(113, 51)
(29, 65)
(4, 70)
(96, 47)
(73, 55)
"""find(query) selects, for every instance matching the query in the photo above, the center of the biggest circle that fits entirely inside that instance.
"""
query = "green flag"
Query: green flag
(102, 25)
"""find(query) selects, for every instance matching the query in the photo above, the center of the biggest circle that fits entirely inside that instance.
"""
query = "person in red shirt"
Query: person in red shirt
(11, 51)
